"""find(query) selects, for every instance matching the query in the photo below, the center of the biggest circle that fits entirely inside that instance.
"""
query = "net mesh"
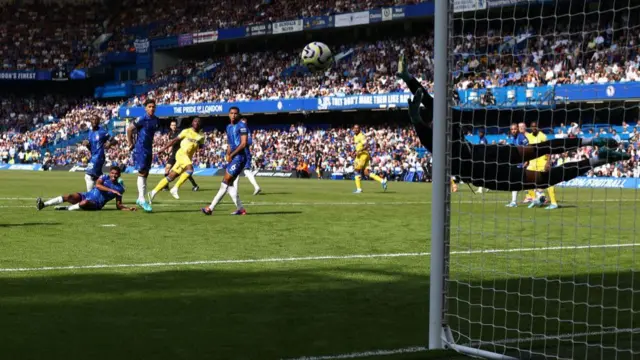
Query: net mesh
(531, 282)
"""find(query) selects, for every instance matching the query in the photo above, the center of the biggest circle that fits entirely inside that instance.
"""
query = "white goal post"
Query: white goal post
(529, 283)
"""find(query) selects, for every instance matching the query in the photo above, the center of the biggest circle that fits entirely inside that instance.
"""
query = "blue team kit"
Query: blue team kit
(97, 140)
(143, 150)
(100, 198)
(240, 161)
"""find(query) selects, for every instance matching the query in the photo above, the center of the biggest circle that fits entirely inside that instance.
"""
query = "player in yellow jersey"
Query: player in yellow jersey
(540, 164)
(190, 140)
(362, 163)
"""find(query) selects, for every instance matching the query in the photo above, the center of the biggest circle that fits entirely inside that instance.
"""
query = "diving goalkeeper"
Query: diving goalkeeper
(496, 166)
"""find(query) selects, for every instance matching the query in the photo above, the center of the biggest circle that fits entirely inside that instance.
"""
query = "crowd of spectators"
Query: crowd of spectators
(18, 145)
(580, 52)
(174, 18)
(369, 68)
(36, 36)
(593, 55)
(395, 151)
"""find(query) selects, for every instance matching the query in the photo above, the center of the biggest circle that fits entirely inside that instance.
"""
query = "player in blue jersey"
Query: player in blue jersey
(517, 137)
(142, 150)
(108, 187)
(248, 172)
(237, 138)
(97, 142)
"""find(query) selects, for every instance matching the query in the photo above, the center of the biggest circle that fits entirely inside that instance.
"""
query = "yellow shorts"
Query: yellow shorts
(539, 167)
(363, 161)
(182, 161)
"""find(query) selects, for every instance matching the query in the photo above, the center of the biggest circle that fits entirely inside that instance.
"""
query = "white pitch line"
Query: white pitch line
(306, 258)
(407, 350)
(108, 225)
(414, 349)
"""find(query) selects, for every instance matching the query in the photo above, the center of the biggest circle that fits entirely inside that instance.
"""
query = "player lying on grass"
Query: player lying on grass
(97, 142)
(190, 141)
(237, 154)
(496, 166)
(108, 187)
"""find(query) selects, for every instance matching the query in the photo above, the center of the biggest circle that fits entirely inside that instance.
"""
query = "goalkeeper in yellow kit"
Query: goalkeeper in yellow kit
(362, 163)
(190, 140)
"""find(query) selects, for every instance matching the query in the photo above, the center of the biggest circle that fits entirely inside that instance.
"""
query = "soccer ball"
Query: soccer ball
(540, 199)
(317, 56)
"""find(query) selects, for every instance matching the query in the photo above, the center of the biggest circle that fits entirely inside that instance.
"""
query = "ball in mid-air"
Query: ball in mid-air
(317, 56)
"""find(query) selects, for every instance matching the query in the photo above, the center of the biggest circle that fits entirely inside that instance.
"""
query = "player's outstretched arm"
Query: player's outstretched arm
(130, 129)
(413, 83)
(121, 206)
(170, 144)
(100, 186)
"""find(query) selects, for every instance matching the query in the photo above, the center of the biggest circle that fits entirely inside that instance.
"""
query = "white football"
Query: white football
(317, 56)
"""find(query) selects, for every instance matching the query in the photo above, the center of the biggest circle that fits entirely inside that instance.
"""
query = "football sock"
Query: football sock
(219, 195)
(193, 182)
(183, 178)
(54, 201)
(90, 182)
(552, 195)
(236, 181)
(74, 207)
(161, 185)
(358, 182)
(375, 177)
(514, 196)
(142, 188)
(531, 194)
(252, 179)
(233, 193)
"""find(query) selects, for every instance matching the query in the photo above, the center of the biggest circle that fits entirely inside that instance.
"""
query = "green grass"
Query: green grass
(286, 309)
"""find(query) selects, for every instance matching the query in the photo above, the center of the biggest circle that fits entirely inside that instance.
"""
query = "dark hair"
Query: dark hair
(173, 121)
(235, 108)
(149, 101)
(115, 168)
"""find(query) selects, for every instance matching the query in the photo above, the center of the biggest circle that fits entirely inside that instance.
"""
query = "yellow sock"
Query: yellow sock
(376, 177)
(358, 180)
(184, 177)
(552, 195)
(164, 182)
(531, 194)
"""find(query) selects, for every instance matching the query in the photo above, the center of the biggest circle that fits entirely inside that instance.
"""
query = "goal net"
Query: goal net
(534, 281)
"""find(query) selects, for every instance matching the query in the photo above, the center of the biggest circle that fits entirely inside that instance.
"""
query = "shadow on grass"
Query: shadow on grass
(30, 224)
(274, 313)
(214, 314)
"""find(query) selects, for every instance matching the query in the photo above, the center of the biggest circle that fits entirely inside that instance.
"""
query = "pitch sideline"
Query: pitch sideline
(307, 258)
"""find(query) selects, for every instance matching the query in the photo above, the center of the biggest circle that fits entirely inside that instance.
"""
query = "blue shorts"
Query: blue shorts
(142, 160)
(247, 165)
(94, 168)
(235, 167)
(95, 197)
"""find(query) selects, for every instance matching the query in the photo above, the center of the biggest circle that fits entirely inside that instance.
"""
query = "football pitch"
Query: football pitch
(312, 271)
